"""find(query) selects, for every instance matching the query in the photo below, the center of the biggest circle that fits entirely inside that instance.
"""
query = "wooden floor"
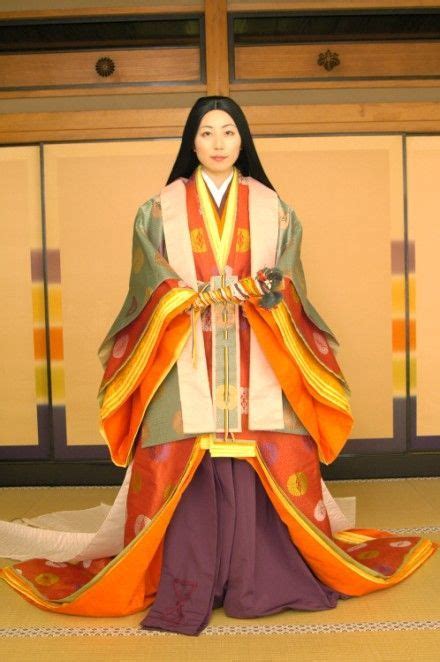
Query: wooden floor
(402, 623)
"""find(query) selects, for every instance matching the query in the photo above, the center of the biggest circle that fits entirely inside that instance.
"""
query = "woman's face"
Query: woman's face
(217, 144)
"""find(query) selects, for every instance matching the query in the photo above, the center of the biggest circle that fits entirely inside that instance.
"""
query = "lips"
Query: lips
(218, 158)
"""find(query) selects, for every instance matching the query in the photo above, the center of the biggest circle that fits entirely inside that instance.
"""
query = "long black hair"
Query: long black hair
(248, 162)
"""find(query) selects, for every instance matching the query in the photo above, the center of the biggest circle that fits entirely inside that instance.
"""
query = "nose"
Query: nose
(218, 141)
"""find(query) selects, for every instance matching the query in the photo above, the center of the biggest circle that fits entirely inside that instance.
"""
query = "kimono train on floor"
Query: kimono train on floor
(222, 409)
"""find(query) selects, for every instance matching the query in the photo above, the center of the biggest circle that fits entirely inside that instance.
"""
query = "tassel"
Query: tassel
(270, 300)
(271, 281)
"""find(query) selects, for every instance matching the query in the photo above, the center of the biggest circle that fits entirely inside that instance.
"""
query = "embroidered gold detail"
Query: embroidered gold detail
(243, 240)
(298, 483)
(46, 579)
(198, 242)
(220, 397)
(368, 554)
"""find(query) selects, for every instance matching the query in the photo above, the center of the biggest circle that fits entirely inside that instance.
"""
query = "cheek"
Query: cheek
(200, 146)
(237, 142)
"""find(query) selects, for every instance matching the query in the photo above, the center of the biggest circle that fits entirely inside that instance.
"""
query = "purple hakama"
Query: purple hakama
(226, 545)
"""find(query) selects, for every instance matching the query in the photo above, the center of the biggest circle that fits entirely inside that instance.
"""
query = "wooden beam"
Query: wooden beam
(181, 88)
(216, 32)
(320, 5)
(333, 84)
(170, 7)
(150, 8)
(25, 128)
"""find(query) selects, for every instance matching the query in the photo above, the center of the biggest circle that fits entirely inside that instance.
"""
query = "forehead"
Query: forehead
(216, 118)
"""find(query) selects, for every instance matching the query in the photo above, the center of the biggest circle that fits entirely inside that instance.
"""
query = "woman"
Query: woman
(221, 392)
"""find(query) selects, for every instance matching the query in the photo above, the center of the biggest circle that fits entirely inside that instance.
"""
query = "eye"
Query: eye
(230, 132)
(205, 133)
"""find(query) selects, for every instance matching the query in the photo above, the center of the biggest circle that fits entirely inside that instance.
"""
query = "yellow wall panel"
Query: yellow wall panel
(21, 231)
(93, 191)
(348, 193)
(424, 213)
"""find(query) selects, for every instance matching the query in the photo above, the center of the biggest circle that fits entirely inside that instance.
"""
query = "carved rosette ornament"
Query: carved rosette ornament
(105, 66)
(328, 60)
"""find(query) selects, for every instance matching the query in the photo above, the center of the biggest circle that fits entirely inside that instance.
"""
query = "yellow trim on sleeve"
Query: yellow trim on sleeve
(179, 348)
(352, 537)
(121, 387)
(320, 379)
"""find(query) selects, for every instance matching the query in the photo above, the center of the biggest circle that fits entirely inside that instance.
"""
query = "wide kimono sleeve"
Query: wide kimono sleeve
(146, 338)
(301, 348)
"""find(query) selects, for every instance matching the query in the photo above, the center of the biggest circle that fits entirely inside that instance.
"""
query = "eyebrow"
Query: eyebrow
(207, 126)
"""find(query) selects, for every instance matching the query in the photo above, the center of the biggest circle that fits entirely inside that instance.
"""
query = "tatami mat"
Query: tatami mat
(402, 623)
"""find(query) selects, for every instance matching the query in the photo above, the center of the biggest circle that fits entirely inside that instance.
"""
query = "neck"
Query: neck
(218, 177)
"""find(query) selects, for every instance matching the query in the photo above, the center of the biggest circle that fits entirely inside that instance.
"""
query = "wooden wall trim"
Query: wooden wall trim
(292, 5)
(90, 125)
(334, 84)
(232, 5)
(19, 128)
(72, 12)
(216, 34)
(182, 88)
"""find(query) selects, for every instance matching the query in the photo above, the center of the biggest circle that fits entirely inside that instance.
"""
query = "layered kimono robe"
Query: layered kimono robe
(182, 391)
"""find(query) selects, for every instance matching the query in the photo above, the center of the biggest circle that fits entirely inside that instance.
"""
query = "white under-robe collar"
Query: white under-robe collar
(217, 192)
